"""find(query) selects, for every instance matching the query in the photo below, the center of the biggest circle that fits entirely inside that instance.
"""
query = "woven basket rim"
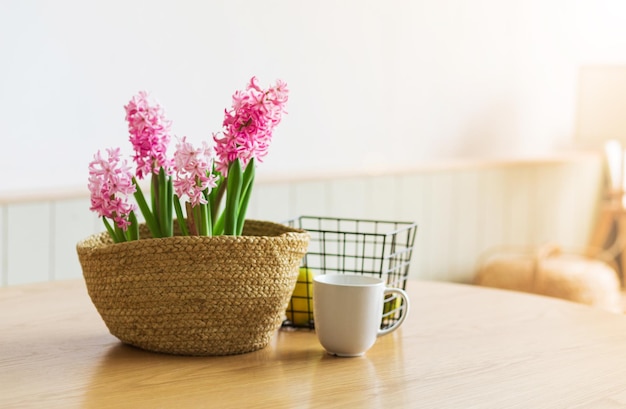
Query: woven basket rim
(102, 239)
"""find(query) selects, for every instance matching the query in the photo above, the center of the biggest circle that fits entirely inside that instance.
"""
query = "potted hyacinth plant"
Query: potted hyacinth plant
(194, 277)
(192, 184)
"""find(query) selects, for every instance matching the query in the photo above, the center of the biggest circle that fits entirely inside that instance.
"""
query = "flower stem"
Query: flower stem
(191, 220)
(197, 216)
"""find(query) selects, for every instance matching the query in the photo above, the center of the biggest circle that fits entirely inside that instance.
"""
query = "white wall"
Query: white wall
(375, 84)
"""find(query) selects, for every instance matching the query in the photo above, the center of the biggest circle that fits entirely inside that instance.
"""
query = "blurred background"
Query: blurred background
(482, 121)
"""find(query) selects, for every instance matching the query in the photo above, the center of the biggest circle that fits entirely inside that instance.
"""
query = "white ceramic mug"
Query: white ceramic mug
(348, 311)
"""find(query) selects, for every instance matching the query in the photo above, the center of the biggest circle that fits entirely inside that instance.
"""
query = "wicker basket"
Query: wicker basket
(218, 295)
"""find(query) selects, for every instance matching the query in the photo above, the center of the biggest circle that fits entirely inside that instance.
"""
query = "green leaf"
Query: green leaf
(120, 233)
(180, 216)
(248, 181)
(215, 197)
(151, 221)
(218, 226)
(111, 230)
(233, 193)
(197, 216)
(205, 220)
(154, 196)
(163, 216)
(169, 218)
(133, 229)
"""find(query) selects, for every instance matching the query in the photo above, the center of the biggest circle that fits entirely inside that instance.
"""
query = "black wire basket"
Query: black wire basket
(376, 248)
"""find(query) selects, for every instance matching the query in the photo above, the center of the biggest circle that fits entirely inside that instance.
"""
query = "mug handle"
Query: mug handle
(405, 306)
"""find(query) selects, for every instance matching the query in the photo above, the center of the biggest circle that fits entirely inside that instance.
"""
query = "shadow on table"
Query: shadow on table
(131, 377)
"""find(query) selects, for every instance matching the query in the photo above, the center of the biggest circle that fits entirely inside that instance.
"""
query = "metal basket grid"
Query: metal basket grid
(352, 246)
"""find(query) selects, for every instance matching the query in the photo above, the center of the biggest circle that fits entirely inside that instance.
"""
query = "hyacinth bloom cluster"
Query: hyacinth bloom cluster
(110, 184)
(193, 177)
(199, 178)
(249, 124)
(149, 134)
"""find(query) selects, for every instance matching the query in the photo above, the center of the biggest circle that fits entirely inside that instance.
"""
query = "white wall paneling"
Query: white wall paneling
(271, 201)
(3, 246)
(440, 224)
(310, 198)
(382, 197)
(72, 221)
(492, 211)
(518, 197)
(349, 197)
(28, 249)
(461, 212)
(412, 197)
(467, 199)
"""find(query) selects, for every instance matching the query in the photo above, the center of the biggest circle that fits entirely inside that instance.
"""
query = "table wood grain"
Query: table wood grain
(461, 347)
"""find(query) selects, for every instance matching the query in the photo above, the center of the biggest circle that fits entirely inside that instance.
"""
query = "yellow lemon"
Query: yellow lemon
(300, 309)
(390, 306)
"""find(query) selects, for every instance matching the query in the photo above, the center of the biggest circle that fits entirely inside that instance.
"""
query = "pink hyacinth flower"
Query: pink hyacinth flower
(248, 126)
(149, 134)
(110, 184)
(192, 168)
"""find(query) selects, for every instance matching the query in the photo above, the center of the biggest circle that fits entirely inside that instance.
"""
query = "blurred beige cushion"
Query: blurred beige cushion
(550, 272)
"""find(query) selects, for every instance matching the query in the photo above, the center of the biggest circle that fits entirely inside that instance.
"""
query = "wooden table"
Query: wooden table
(461, 347)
